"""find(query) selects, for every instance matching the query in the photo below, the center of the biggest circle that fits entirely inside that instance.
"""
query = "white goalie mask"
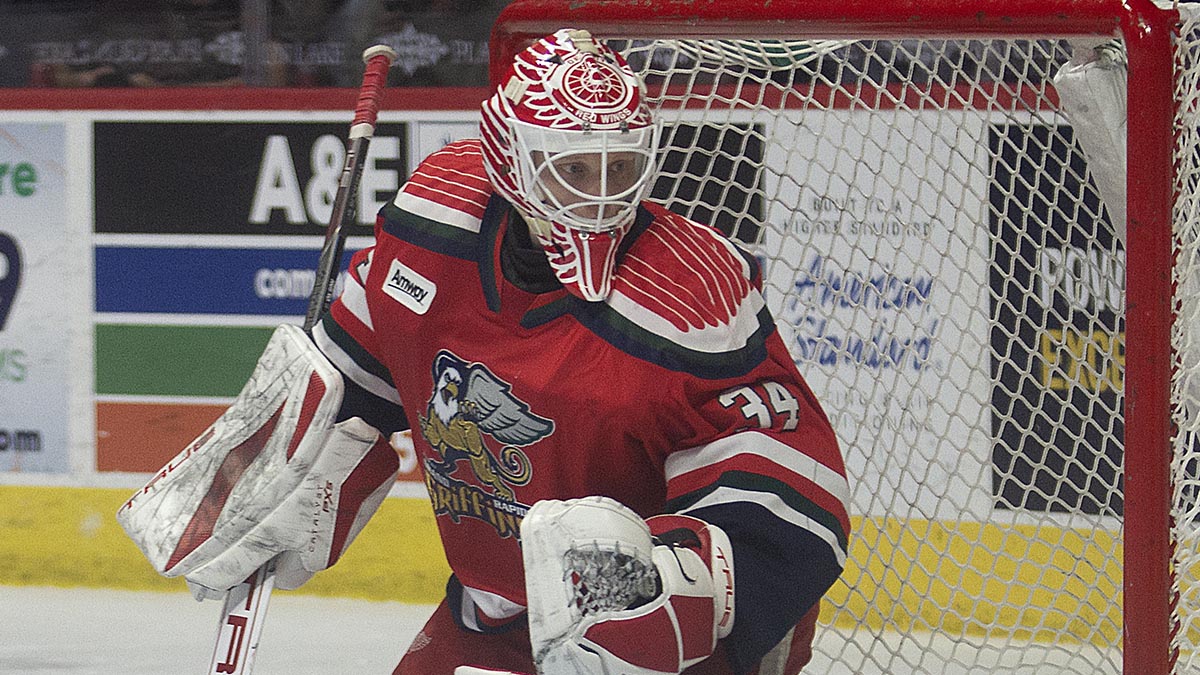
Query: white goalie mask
(569, 141)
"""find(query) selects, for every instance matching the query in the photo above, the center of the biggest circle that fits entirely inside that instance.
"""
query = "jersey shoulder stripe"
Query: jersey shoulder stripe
(683, 298)
(734, 358)
(353, 360)
(443, 203)
(767, 450)
(449, 184)
(687, 273)
(783, 502)
(803, 480)
(354, 291)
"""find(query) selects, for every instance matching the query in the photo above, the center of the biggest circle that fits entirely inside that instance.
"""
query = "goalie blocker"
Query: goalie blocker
(273, 476)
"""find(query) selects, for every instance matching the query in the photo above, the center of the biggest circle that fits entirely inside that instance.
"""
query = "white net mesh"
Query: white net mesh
(943, 270)
(1185, 391)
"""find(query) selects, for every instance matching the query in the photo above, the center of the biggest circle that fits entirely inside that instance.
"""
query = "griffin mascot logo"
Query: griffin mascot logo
(469, 402)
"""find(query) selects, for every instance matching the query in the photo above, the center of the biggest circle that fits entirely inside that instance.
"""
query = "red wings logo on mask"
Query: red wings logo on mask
(579, 90)
(591, 91)
(559, 84)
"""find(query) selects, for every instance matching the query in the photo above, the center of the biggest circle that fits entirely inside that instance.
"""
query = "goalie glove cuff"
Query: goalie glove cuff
(711, 545)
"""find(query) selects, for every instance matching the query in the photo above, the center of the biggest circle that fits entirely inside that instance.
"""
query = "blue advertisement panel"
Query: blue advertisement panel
(188, 280)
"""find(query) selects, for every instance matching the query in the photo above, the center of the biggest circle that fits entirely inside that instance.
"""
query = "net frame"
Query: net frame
(1149, 622)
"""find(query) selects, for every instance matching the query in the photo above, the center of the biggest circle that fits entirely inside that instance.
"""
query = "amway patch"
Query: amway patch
(410, 288)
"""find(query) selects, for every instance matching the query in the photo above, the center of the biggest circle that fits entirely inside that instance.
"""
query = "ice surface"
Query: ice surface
(107, 632)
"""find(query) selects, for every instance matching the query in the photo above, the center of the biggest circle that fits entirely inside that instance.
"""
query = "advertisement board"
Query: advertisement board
(207, 234)
(202, 230)
(965, 270)
(37, 311)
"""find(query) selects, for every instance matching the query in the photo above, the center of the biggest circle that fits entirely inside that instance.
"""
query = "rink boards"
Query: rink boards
(168, 258)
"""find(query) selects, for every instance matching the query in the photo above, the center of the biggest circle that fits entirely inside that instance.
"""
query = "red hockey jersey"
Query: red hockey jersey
(674, 395)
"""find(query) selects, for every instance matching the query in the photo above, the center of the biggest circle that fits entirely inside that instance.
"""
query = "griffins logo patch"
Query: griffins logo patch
(474, 423)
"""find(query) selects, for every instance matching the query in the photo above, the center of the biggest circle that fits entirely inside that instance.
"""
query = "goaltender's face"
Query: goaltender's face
(590, 186)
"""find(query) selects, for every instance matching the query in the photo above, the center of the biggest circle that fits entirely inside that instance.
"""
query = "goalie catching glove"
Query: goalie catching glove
(610, 593)
(273, 475)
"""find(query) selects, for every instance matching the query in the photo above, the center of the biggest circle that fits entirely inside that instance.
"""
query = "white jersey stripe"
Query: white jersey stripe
(471, 185)
(724, 281)
(762, 445)
(438, 212)
(728, 290)
(676, 252)
(351, 369)
(733, 269)
(683, 243)
(631, 270)
(772, 502)
(708, 340)
(462, 150)
(354, 297)
(492, 605)
(735, 278)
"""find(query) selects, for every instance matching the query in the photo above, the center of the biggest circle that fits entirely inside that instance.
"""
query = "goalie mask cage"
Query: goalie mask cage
(1004, 372)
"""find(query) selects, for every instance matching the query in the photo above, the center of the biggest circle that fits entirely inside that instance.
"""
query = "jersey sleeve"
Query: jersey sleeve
(347, 338)
(448, 188)
(759, 459)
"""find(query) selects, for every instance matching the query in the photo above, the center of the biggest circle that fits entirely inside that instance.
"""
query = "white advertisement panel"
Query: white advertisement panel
(884, 296)
(35, 318)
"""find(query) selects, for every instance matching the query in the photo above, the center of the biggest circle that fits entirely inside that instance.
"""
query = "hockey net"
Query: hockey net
(942, 263)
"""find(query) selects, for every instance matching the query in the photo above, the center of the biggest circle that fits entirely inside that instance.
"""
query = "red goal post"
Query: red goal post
(1002, 363)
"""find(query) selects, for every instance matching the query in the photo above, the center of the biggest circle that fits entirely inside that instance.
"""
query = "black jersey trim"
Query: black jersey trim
(355, 351)
(454, 600)
(621, 332)
(489, 241)
(641, 223)
(753, 482)
(755, 267)
(548, 312)
(430, 234)
(387, 417)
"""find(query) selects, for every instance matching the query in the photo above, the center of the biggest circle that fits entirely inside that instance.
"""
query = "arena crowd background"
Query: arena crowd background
(279, 43)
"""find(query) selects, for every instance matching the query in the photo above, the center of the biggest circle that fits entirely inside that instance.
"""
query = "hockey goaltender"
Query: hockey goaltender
(629, 474)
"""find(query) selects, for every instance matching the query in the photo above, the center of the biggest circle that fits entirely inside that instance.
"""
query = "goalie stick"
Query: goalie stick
(378, 59)
(246, 604)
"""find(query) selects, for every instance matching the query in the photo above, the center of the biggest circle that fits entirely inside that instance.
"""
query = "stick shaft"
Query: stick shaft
(241, 623)
(378, 59)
